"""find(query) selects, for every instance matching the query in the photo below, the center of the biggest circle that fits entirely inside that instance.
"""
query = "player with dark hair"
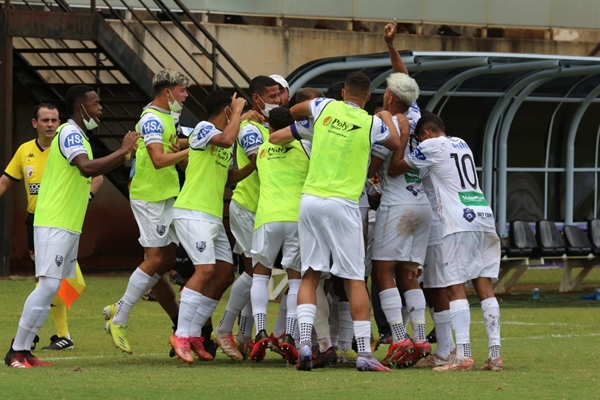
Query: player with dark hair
(197, 217)
(470, 245)
(62, 202)
(329, 222)
(242, 212)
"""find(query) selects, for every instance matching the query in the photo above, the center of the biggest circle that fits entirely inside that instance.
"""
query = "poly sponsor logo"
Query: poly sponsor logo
(340, 125)
(469, 214)
(73, 140)
(327, 120)
(34, 188)
(263, 153)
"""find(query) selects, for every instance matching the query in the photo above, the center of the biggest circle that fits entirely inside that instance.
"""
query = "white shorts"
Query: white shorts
(371, 215)
(433, 268)
(241, 223)
(55, 252)
(154, 221)
(204, 242)
(470, 255)
(330, 228)
(269, 238)
(436, 234)
(402, 233)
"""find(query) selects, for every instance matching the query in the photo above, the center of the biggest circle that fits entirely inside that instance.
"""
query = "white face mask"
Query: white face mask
(175, 106)
(268, 107)
(89, 123)
(175, 116)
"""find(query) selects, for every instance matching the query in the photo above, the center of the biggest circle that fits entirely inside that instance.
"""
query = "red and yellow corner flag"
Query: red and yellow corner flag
(71, 288)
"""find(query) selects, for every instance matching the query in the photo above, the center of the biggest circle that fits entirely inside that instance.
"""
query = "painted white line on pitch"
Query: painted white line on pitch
(100, 357)
(546, 324)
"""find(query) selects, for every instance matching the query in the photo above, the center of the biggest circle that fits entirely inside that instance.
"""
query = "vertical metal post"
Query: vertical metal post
(214, 66)
(6, 132)
(92, 6)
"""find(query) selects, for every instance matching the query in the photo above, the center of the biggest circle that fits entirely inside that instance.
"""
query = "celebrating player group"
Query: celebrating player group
(308, 180)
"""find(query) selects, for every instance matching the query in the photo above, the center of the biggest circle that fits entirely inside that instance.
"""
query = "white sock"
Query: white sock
(346, 327)
(362, 333)
(259, 295)
(190, 300)
(405, 318)
(139, 283)
(280, 324)
(35, 312)
(491, 318)
(291, 325)
(321, 323)
(306, 319)
(239, 296)
(391, 305)
(205, 309)
(246, 321)
(415, 303)
(461, 323)
(443, 333)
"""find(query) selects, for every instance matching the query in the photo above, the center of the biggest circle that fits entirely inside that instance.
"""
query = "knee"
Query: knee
(48, 286)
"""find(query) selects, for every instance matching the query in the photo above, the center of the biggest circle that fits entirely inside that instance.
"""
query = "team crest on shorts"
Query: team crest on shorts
(58, 260)
(469, 214)
(161, 229)
(201, 246)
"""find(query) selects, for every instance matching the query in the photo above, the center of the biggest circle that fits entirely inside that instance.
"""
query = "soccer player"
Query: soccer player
(471, 247)
(28, 165)
(284, 90)
(329, 223)
(198, 219)
(281, 171)
(242, 209)
(403, 221)
(62, 202)
(153, 190)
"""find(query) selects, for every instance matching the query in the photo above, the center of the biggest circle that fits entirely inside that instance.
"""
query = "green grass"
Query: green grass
(550, 348)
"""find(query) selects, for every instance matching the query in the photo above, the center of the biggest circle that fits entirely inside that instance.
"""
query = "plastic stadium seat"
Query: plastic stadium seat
(549, 240)
(577, 242)
(594, 235)
(522, 242)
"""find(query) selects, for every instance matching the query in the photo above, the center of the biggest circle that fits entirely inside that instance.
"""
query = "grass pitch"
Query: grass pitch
(550, 348)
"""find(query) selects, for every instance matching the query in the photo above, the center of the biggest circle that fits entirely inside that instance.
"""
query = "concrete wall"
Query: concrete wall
(268, 50)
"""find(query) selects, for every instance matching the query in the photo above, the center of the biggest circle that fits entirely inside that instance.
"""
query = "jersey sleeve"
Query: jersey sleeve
(151, 128)
(14, 169)
(303, 129)
(70, 142)
(413, 115)
(317, 105)
(379, 131)
(380, 151)
(202, 134)
(423, 156)
(250, 138)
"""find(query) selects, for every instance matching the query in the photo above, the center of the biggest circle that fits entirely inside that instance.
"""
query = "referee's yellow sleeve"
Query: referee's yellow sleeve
(14, 169)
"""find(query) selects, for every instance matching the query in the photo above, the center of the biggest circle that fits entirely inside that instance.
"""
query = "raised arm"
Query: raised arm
(397, 165)
(389, 32)
(100, 166)
(231, 131)
(301, 110)
(281, 136)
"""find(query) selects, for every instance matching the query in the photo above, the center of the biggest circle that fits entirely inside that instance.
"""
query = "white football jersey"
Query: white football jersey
(405, 188)
(460, 201)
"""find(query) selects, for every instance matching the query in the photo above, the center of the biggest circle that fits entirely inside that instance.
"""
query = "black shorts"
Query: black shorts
(29, 224)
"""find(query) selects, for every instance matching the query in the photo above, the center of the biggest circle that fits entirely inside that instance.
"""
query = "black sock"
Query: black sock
(206, 331)
(174, 320)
